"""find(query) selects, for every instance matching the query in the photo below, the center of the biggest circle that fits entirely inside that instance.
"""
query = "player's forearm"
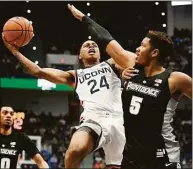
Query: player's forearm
(113, 48)
(43, 164)
(31, 67)
(97, 32)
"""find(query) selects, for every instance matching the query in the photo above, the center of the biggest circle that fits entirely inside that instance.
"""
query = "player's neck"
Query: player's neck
(153, 69)
(4, 131)
(90, 64)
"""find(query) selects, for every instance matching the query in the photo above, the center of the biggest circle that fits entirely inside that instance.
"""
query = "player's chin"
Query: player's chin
(137, 63)
(7, 126)
(93, 57)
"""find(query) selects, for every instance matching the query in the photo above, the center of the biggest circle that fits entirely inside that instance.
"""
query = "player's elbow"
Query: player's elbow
(38, 72)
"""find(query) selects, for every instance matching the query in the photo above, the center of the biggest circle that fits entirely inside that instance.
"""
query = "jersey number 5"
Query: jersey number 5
(135, 105)
(5, 163)
(93, 82)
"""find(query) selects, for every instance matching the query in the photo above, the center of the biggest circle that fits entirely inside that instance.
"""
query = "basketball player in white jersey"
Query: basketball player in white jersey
(99, 88)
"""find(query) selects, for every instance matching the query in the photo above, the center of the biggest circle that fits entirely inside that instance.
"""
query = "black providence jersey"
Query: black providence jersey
(11, 146)
(145, 101)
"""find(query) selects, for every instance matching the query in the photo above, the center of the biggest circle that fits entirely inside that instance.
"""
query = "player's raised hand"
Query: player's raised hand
(77, 14)
(12, 48)
(129, 73)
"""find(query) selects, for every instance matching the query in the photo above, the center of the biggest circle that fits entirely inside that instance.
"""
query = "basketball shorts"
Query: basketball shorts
(111, 137)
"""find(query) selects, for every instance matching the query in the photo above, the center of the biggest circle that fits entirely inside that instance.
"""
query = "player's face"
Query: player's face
(90, 51)
(144, 53)
(6, 117)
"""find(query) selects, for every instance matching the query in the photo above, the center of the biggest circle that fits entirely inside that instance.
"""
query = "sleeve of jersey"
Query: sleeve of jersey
(29, 146)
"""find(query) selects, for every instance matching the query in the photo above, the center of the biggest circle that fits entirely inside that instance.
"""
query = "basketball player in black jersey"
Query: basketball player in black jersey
(12, 143)
(148, 98)
(149, 102)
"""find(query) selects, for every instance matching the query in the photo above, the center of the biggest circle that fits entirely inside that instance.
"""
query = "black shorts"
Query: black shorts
(140, 164)
(153, 165)
(136, 158)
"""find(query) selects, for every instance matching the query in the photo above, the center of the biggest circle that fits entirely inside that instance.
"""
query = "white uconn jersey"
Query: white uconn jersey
(99, 89)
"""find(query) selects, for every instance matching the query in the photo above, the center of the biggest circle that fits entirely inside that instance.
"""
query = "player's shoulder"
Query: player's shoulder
(72, 72)
(110, 62)
(177, 76)
(179, 79)
(20, 134)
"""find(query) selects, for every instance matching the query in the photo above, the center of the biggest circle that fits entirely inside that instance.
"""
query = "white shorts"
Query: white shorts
(111, 138)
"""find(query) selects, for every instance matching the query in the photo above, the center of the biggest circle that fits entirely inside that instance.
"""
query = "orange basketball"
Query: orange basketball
(18, 31)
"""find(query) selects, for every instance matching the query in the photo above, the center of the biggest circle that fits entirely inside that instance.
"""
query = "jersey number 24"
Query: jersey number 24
(94, 88)
(135, 105)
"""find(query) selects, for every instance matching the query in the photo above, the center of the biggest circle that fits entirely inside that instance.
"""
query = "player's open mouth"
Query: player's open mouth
(91, 51)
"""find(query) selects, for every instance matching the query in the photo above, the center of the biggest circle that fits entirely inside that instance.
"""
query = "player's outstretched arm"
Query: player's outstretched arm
(183, 83)
(113, 48)
(33, 152)
(53, 75)
(41, 163)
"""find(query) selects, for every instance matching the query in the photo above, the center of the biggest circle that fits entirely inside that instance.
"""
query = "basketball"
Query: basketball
(18, 31)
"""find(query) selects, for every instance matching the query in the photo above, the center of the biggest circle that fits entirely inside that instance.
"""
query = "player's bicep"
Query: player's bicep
(121, 57)
(184, 83)
(57, 76)
(186, 87)
(29, 146)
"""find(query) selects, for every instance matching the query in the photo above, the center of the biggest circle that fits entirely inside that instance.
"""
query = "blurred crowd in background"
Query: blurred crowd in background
(180, 61)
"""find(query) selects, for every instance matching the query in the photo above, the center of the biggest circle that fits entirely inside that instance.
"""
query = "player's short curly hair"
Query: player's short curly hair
(162, 42)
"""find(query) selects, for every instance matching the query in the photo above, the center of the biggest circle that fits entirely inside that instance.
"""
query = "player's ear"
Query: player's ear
(79, 57)
(155, 52)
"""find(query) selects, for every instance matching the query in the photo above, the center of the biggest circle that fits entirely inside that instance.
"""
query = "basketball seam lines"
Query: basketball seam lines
(29, 31)
(17, 23)
(22, 31)
(16, 38)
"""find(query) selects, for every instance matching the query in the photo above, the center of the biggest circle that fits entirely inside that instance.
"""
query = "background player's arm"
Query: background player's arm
(53, 75)
(40, 161)
(33, 152)
(122, 57)
(183, 83)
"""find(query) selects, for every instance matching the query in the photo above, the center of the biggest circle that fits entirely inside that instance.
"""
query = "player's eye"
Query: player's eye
(11, 113)
(4, 112)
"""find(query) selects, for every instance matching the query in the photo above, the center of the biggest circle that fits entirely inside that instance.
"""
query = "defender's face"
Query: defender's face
(89, 51)
(144, 53)
(6, 117)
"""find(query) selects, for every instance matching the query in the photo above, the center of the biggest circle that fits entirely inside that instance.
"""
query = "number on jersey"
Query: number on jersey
(95, 88)
(5, 163)
(135, 105)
